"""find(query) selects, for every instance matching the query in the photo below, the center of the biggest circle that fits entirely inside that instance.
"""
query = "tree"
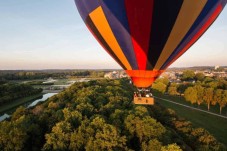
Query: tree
(152, 145)
(19, 112)
(85, 109)
(182, 87)
(141, 111)
(218, 98)
(208, 96)
(190, 95)
(171, 147)
(205, 141)
(208, 79)
(188, 75)
(117, 118)
(212, 84)
(199, 76)
(81, 135)
(200, 92)
(159, 87)
(163, 80)
(97, 135)
(59, 138)
(172, 90)
(145, 128)
(106, 139)
(12, 135)
(222, 83)
(11, 92)
(73, 117)
(223, 100)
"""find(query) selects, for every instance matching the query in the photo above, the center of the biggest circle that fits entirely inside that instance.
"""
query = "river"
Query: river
(44, 98)
(30, 104)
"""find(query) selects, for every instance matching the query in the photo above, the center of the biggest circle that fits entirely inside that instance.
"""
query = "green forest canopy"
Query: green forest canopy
(100, 115)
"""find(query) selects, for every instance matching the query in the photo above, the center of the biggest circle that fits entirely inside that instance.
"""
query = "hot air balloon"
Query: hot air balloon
(147, 36)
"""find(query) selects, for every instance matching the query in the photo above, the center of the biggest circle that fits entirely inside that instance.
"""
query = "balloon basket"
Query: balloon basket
(144, 100)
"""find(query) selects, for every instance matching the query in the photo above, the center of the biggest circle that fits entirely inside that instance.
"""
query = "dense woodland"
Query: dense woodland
(196, 88)
(10, 92)
(42, 74)
(100, 115)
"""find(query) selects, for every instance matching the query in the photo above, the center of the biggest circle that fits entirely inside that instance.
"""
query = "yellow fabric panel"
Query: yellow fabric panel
(189, 12)
(101, 23)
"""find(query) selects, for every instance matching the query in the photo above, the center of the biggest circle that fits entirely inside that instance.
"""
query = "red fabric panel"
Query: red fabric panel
(199, 34)
(139, 13)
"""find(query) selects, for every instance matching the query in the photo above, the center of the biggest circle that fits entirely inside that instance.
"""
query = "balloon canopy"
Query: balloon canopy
(146, 36)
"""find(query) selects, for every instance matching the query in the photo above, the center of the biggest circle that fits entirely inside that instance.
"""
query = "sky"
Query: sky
(50, 34)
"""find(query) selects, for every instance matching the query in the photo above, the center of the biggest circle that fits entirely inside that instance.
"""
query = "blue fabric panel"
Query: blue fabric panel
(200, 21)
(224, 3)
(117, 8)
(85, 7)
(116, 16)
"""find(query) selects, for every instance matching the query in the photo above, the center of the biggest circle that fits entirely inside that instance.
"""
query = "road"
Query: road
(192, 107)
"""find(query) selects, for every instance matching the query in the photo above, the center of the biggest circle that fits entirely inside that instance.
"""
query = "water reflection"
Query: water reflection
(44, 98)
(3, 117)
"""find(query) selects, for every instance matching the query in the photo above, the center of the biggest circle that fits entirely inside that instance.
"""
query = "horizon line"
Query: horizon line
(93, 68)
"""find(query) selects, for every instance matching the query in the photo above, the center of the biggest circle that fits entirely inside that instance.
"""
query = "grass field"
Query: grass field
(213, 108)
(217, 126)
(7, 107)
(61, 81)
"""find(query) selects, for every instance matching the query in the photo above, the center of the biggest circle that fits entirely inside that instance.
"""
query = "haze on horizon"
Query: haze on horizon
(50, 34)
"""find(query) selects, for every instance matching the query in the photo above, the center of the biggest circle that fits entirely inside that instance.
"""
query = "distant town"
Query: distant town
(174, 74)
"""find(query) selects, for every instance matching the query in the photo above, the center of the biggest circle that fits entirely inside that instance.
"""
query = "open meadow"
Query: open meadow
(217, 126)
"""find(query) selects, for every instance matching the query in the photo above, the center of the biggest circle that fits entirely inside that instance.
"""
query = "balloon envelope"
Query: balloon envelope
(146, 36)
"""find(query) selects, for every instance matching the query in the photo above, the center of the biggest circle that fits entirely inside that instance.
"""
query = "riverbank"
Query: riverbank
(14, 104)
(51, 91)
(28, 104)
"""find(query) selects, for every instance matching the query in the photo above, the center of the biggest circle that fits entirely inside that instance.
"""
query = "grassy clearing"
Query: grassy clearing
(61, 81)
(7, 107)
(217, 126)
(213, 108)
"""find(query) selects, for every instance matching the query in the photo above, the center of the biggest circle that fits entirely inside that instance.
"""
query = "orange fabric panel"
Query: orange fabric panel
(143, 82)
(144, 73)
(101, 23)
(144, 78)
